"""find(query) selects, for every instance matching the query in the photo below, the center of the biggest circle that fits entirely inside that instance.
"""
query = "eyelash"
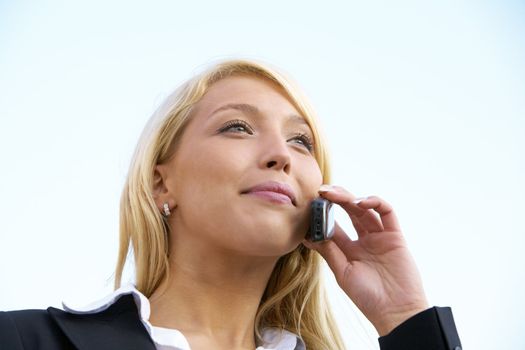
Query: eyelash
(233, 123)
(308, 144)
(306, 141)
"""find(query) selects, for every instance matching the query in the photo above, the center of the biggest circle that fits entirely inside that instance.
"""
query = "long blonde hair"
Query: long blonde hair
(294, 298)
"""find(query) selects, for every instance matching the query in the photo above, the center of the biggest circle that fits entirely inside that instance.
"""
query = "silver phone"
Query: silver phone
(322, 222)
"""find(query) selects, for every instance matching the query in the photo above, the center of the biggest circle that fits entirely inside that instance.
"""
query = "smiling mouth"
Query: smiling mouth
(271, 196)
(274, 191)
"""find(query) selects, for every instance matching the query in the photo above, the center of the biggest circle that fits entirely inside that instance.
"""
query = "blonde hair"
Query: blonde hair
(294, 298)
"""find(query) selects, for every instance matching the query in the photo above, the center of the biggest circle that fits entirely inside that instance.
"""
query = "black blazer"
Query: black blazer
(120, 327)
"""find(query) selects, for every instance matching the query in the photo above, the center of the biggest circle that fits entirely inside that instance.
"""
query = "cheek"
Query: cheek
(310, 181)
(208, 175)
(311, 178)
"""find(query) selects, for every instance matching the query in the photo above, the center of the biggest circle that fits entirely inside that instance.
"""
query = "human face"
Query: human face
(243, 132)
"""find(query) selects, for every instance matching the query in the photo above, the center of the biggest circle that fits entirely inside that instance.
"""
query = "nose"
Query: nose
(276, 154)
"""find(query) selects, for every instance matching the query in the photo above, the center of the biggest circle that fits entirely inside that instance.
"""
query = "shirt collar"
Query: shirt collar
(172, 339)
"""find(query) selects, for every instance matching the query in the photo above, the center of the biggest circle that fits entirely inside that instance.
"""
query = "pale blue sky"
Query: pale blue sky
(423, 103)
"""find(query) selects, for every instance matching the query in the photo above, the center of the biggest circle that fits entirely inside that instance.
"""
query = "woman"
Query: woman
(216, 209)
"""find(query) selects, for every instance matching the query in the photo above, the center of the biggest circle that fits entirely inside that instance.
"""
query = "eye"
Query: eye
(305, 140)
(236, 126)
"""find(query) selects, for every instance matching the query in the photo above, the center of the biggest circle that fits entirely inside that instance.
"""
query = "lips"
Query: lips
(274, 187)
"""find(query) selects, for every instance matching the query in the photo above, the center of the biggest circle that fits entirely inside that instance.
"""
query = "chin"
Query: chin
(261, 233)
(271, 245)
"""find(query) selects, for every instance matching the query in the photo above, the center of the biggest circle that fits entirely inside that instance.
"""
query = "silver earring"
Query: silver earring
(167, 211)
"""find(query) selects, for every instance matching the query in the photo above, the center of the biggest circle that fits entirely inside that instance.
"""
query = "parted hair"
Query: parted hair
(294, 298)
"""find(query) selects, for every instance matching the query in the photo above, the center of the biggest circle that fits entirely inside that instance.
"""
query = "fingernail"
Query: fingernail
(359, 200)
(326, 188)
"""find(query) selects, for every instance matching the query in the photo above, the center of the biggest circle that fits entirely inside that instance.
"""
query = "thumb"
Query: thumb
(333, 255)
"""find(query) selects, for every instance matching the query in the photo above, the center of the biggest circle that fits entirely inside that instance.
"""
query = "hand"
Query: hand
(376, 271)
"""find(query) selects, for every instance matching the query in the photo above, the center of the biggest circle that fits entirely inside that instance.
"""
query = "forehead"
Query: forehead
(264, 94)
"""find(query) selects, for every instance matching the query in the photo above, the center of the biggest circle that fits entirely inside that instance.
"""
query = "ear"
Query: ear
(161, 193)
(159, 186)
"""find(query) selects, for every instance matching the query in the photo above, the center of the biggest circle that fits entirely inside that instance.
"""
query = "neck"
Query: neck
(211, 295)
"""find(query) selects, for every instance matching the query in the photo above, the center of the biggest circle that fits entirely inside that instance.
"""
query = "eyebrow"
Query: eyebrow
(252, 110)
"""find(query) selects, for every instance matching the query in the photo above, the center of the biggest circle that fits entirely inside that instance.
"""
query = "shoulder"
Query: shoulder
(30, 329)
(118, 326)
(23, 316)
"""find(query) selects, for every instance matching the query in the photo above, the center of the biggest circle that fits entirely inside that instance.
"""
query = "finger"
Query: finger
(359, 228)
(340, 238)
(343, 241)
(368, 220)
(385, 211)
(333, 255)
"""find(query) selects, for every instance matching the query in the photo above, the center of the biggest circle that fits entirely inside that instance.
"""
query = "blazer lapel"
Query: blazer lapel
(118, 327)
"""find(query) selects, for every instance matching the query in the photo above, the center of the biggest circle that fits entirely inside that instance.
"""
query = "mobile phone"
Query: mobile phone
(322, 223)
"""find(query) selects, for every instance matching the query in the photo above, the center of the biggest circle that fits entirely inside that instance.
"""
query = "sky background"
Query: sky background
(423, 103)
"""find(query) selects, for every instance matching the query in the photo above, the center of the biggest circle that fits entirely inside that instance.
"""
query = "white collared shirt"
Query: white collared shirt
(172, 339)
